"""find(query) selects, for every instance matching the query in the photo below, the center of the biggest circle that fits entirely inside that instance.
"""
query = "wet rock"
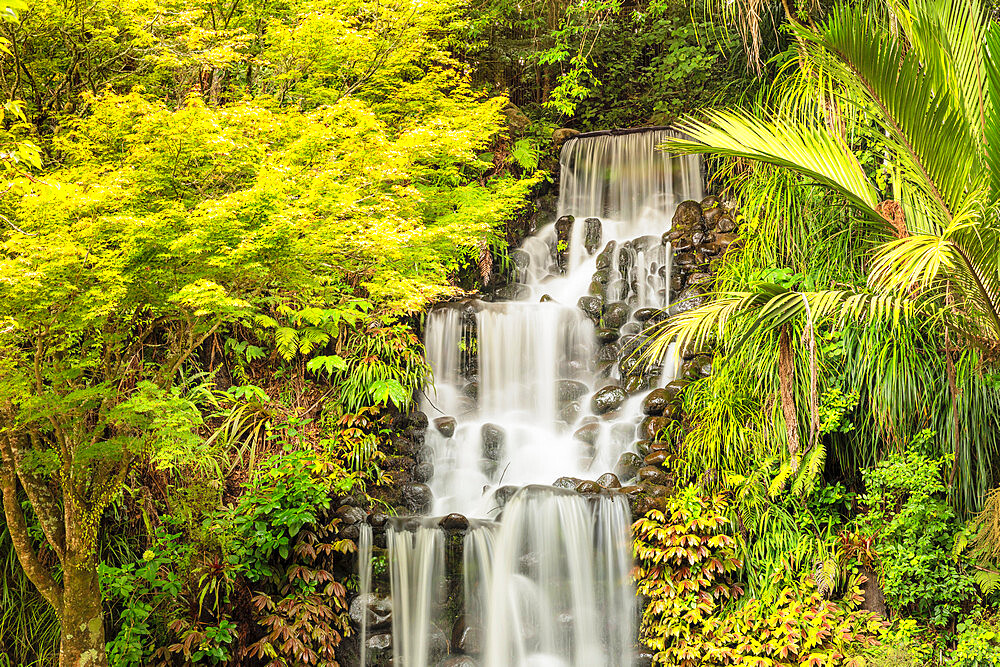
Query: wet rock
(655, 402)
(690, 298)
(702, 365)
(370, 608)
(521, 260)
(645, 243)
(545, 298)
(416, 420)
(653, 428)
(607, 335)
(465, 638)
(607, 399)
(591, 305)
(513, 292)
(634, 383)
(350, 515)
(571, 390)
(351, 533)
(661, 446)
(655, 475)
(700, 279)
(615, 314)
(503, 495)
(608, 352)
(570, 412)
(493, 438)
(562, 135)
(381, 641)
(454, 521)
(609, 480)
(378, 520)
(725, 240)
(588, 487)
(631, 490)
(604, 259)
(649, 315)
(628, 465)
(564, 226)
(567, 482)
(424, 455)
(601, 276)
(710, 201)
(471, 389)
(688, 215)
(423, 472)
(445, 426)
(591, 235)
(588, 433)
(673, 390)
(685, 260)
(712, 216)
(596, 289)
(631, 328)
(417, 497)
(656, 458)
(642, 446)
(726, 224)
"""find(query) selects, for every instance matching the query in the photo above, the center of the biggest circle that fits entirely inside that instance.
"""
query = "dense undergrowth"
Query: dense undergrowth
(221, 223)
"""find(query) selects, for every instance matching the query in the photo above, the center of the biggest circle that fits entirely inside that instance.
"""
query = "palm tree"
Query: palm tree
(927, 83)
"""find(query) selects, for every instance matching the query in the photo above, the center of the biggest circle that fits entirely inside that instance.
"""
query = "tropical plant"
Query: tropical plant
(922, 98)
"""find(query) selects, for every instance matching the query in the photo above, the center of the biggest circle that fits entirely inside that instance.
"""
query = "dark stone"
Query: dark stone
(685, 260)
(604, 259)
(588, 433)
(465, 638)
(607, 399)
(657, 458)
(628, 465)
(564, 226)
(632, 490)
(351, 533)
(454, 521)
(607, 335)
(504, 494)
(591, 235)
(615, 314)
(673, 390)
(609, 480)
(631, 328)
(608, 353)
(422, 472)
(596, 289)
(655, 475)
(710, 201)
(645, 504)
(642, 446)
(417, 497)
(493, 441)
(690, 298)
(601, 276)
(700, 279)
(725, 240)
(711, 216)
(570, 412)
(570, 390)
(698, 238)
(649, 315)
(588, 487)
(726, 224)
(417, 420)
(381, 641)
(591, 305)
(425, 455)
(445, 426)
(655, 402)
(378, 519)
(652, 428)
(634, 383)
(562, 135)
(513, 292)
(702, 364)
(688, 215)
(370, 608)
(471, 389)
(545, 298)
(521, 259)
(350, 515)
(567, 483)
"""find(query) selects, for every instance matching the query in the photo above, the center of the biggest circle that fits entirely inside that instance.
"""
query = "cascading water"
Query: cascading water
(527, 393)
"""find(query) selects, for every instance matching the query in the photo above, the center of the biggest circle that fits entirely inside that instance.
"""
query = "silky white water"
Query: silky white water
(548, 585)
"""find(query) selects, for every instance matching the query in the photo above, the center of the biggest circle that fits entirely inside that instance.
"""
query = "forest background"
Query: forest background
(221, 224)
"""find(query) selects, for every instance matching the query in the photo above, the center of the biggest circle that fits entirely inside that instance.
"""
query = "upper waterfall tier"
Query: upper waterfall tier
(517, 397)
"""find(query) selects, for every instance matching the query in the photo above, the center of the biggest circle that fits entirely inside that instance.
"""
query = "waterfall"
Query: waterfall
(514, 409)
(364, 583)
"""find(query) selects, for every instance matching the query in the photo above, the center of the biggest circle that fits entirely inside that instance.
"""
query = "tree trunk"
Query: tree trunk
(82, 640)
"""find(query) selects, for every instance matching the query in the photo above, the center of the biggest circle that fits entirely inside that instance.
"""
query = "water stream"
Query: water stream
(517, 405)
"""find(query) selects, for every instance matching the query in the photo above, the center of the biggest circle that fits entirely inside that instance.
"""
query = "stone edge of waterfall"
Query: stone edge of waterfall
(620, 132)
